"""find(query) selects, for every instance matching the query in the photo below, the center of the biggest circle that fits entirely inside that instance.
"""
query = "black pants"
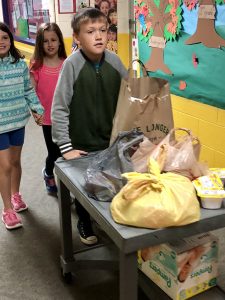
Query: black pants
(53, 155)
(83, 215)
(52, 148)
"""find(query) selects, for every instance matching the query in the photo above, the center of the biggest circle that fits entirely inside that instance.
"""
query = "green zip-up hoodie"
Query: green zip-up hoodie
(85, 102)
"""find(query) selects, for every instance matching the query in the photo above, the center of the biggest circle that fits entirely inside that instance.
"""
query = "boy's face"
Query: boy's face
(112, 36)
(93, 39)
(104, 7)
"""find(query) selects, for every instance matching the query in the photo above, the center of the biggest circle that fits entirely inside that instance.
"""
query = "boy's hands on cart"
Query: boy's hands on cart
(74, 154)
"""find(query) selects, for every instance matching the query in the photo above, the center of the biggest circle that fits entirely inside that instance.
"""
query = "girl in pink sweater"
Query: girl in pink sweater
(46, 63)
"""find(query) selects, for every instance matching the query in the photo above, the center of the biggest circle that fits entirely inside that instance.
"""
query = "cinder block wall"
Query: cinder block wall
(123, 36)
(26, 50)
(205, 121)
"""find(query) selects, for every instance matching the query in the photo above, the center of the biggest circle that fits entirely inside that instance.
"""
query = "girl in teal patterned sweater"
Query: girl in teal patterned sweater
(17, 100)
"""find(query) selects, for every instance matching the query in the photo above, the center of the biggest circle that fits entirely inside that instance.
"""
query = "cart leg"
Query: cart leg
(65, 222)
(128, 276)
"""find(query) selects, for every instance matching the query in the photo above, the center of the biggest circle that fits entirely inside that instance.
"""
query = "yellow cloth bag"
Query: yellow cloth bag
(155, 200)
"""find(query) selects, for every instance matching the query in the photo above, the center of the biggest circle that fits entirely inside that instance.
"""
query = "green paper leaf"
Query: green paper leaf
(168, 8)
(220, 2)
(157, 2)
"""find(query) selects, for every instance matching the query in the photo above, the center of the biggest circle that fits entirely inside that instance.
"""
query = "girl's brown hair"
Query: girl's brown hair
(13, 50)
(38, 56)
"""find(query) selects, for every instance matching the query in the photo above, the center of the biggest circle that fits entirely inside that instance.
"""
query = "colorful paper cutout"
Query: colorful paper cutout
(159, 21)
(182, 85)
(190, 4)
(195, 60)
(205, 32)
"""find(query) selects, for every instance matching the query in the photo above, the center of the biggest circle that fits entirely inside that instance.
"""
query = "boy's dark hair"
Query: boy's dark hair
(104, 1)
(85, 15)
(112, 10)
(39, 54)
(13, 50)
(112, 28)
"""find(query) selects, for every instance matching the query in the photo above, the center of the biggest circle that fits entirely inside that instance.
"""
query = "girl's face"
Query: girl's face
(51, 43)
(112, 3)
(92, 39)
(112, 36)
(113, 18)
(4, 44)
(104, 7)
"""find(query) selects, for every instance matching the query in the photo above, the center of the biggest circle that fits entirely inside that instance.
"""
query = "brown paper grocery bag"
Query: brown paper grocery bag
(144, 103)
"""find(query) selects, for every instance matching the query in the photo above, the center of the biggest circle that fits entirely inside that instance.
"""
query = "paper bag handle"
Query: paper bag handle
(144, 70)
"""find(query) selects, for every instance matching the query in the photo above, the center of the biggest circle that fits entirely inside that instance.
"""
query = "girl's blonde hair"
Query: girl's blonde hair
(38, 56)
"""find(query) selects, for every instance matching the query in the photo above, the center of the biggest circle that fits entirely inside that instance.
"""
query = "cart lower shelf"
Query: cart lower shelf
(105, 257)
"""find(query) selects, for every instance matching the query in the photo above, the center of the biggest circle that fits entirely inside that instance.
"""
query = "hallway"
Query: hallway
(29, 257)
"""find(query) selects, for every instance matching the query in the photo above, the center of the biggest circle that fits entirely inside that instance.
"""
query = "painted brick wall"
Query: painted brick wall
(206, 122)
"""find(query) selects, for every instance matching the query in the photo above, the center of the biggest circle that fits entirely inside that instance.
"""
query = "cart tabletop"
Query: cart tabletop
(127, 238)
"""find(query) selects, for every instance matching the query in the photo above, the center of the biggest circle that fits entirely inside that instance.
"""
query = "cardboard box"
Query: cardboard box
(182, 269)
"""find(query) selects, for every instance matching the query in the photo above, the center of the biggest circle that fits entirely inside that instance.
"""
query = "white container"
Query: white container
(211, 203)
(210, 190)
(220, 172)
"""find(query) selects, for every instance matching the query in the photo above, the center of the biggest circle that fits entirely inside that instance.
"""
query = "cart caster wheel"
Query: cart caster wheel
(67, 277)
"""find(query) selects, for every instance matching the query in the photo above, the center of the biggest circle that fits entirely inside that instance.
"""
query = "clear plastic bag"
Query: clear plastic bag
(103, 177)
(141, 156)
(180, 154)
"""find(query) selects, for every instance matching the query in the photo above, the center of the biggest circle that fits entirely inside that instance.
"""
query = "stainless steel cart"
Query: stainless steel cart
(126, 240)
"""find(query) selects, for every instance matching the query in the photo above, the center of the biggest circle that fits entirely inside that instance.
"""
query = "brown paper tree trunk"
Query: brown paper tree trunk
(206, 32)
(156, 60)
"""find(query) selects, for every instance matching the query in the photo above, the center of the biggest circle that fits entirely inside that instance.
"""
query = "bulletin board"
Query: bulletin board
(66, 6)
(25, 16)
(184, 43)
(71, 6)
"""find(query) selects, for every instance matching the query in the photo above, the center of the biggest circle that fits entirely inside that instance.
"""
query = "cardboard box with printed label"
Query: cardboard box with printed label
(182, 269)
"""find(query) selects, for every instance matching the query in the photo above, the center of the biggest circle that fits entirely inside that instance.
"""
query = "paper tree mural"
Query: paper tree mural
(158, 21)
(205, 32)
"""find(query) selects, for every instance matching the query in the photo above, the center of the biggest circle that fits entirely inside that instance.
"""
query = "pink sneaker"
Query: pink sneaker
(11, 219)
(17, 202)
